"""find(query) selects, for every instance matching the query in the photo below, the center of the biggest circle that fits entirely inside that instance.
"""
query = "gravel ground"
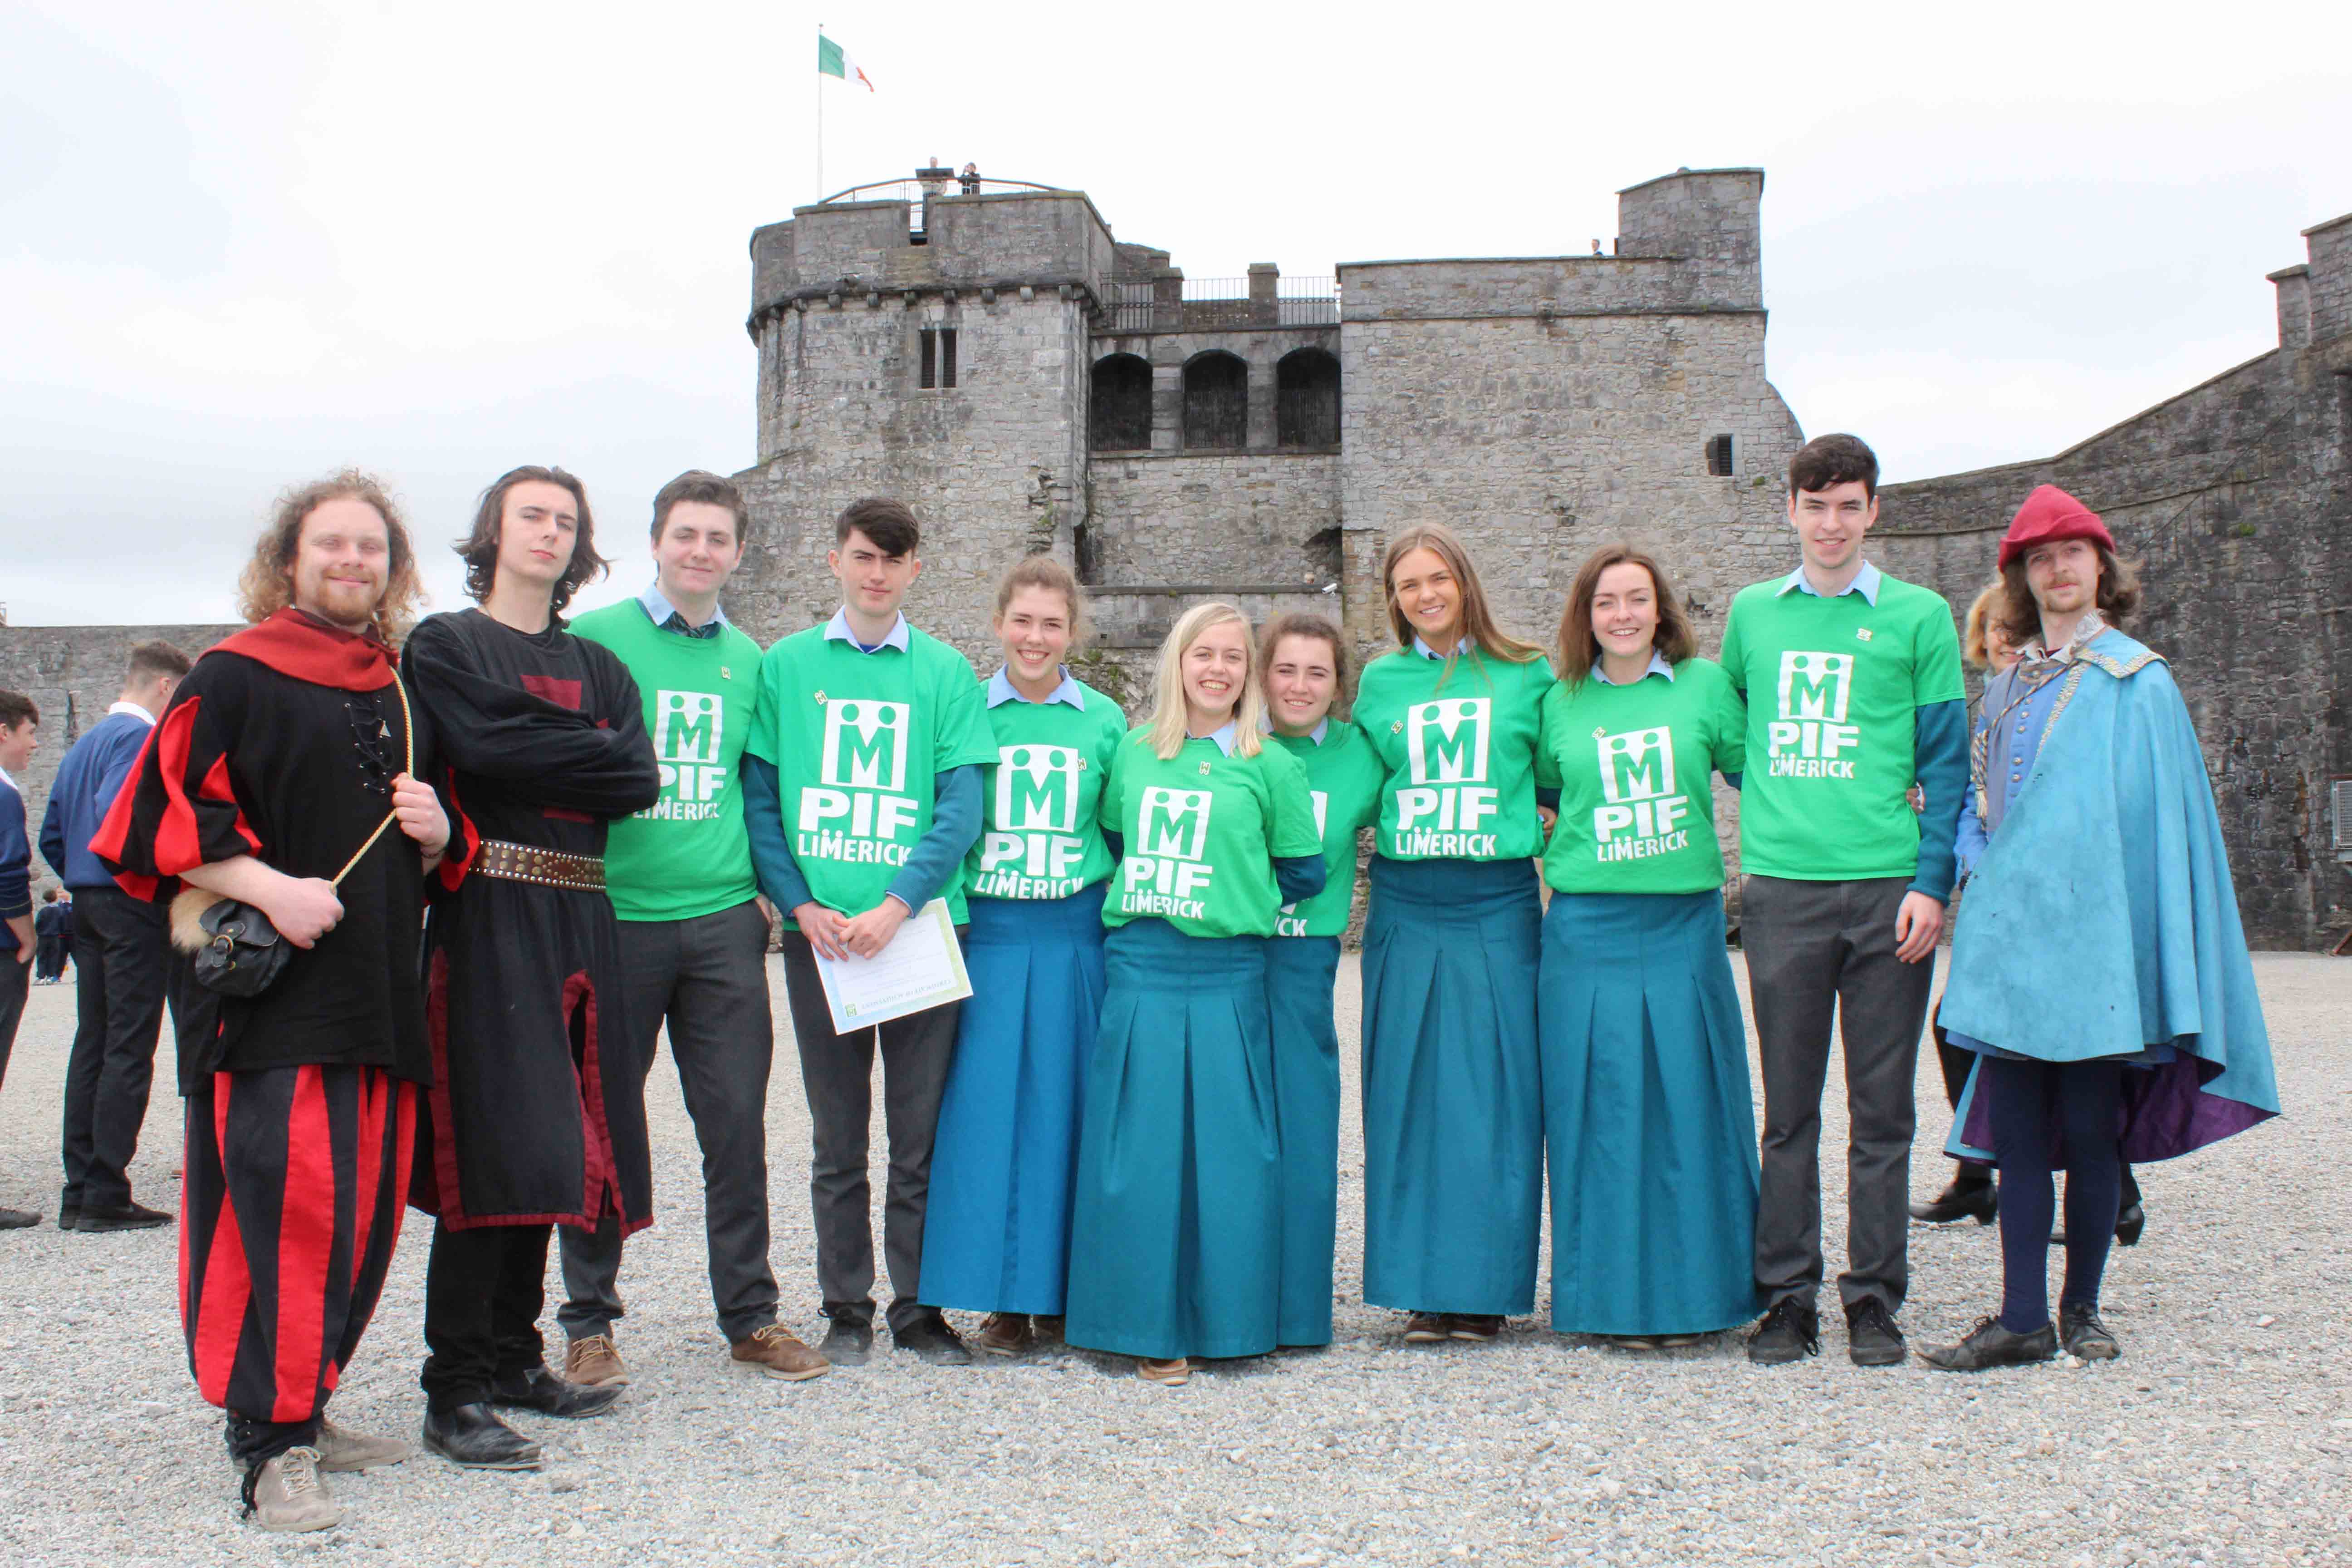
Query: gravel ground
(2223, 1437)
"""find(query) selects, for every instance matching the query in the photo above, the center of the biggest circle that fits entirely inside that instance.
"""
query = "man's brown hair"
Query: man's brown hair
(1830, 461)
(15, 708)
(710, 489)
(267, 585)
(479, 549)
(1576, 649)
(2021, 618)
(150, 659)
(1298, 624)
(889, 523)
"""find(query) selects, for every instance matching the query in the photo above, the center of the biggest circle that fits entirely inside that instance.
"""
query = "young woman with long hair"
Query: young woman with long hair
(1453, 1105)
(1174, 1247)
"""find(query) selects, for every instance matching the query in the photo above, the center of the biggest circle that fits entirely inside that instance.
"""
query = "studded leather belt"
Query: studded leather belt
(542, 868)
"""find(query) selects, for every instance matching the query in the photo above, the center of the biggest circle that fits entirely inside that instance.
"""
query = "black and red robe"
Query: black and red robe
(537, 1112)
(283, 743)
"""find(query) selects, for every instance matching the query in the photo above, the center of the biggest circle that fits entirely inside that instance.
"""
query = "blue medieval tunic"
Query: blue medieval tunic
(2101, 920)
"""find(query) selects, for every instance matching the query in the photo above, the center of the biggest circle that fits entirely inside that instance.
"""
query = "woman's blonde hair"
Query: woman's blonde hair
(1168, 729)
(267, 585)
(1478, 627)
(1044, 572)
(1977, 625)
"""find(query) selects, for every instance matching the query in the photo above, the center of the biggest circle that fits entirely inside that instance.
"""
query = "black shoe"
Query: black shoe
(1990, 1345)
(19, 1219)
(848, 1341)
(929, 1336)
(98, 1217)
(538, 1389)
(1978, 1201)
(2129, 1224)
(68, 1212)
(1873, 1338)
(2084, 1335)
(1789, 1331)
(473, 1435)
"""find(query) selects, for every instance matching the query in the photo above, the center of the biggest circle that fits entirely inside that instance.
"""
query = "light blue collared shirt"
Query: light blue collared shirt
(1001, 691)
(1423, 648)
(661, 612)
(1223, 736)
(1322, 728)
(1658, 666)
(1865, 583)
(837, 630)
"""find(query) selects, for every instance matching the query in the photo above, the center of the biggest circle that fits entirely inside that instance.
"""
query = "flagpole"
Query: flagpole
(820, 118)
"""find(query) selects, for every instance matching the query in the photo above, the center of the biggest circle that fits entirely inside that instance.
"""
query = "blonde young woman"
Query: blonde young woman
(1175, 1244)
(1452, 1100)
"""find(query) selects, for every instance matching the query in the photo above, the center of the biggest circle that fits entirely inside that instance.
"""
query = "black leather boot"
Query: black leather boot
(473, 1435)
(539, 1389)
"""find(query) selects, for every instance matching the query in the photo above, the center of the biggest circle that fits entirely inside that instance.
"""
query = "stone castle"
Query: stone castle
(988, 351)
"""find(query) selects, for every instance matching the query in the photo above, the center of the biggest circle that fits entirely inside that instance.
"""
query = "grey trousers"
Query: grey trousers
(707, 979)
(838, 1070)
(1814, 947)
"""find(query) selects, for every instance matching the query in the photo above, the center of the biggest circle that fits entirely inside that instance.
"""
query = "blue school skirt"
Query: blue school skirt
(997, 1236)
(1301, 970)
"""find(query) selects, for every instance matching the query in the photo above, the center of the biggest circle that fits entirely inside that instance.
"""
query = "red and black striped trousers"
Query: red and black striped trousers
(296, 1182)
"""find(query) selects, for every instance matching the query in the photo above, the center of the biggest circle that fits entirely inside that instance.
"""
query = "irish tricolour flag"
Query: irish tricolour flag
(832, 59)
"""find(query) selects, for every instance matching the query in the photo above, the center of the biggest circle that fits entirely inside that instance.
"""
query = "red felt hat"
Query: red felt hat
(2050, 514)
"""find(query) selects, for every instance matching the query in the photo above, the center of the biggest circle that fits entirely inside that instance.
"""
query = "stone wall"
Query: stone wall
(73, 674)
(1255, 518)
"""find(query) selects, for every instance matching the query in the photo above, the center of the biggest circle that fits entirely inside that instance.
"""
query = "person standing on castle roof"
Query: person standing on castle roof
(1176, 1247)
(997, 1237)
(287, 774)
(863, 796)
(1304, 664)
(121, 956)
(1647, 1115)
(1855, 694)
(694, 930)
(20, 735)
(2099, 968)
(1452, 1089)
(538, 1110)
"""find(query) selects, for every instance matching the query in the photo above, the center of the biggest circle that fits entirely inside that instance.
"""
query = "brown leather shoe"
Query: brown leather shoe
(1424, 1328)
(775, 1351)
(593, 1363)
(1003, 1333)
(1167, 1373)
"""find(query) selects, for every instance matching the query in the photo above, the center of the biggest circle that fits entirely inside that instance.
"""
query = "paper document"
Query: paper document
(923, 967)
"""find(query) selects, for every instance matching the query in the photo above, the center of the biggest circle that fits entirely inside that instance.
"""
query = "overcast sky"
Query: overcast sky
(241, 244)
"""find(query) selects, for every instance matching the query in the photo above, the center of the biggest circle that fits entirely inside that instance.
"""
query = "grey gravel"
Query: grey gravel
(2223, 1435)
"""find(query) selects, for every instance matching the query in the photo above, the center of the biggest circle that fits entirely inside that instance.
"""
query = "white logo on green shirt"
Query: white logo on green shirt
(865, 745)
(689, 727)
(1810, 730)
(1637, 784)
(856, 812)
(1163, 876)
(1446, 757)
(1037, 820)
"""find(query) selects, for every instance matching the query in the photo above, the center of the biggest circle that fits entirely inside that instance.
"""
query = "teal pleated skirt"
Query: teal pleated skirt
(1452, 1094)
(1004, 1161)
(1177, 1238)
(1301, 972)
(1647, 1113)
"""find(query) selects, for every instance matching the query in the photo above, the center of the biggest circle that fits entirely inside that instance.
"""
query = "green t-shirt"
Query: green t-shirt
(1041, 835)
(1633, 765)
(1344, 779)
(1833, 689)
(1204, 831)
(686, 855)
(1458, 748)
(859, 740)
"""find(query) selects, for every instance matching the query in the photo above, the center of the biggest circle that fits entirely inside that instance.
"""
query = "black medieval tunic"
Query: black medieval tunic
(283, 743)
(537, 1112)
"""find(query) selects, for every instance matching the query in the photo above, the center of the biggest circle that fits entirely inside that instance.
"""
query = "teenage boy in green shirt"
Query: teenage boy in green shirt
(863, 785)
(1853, 687)
(694, 936)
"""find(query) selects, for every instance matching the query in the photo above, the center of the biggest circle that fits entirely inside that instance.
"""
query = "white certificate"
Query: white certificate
(922, 968)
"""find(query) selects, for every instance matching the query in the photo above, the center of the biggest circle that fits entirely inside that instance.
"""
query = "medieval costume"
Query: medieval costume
(537, 1113)
(282, 745)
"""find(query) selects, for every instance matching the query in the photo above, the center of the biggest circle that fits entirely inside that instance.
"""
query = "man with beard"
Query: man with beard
(538, 1114)
(281, 776)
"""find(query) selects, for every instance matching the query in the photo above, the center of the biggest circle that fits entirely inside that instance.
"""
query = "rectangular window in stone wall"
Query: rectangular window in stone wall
(1718, 456)
(939, 358)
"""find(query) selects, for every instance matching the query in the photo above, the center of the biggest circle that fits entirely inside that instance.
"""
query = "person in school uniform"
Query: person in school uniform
(1002, 1164)
(1647, 1117)
(1305, 665)
(1176, 1238)
(1452, 1100)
